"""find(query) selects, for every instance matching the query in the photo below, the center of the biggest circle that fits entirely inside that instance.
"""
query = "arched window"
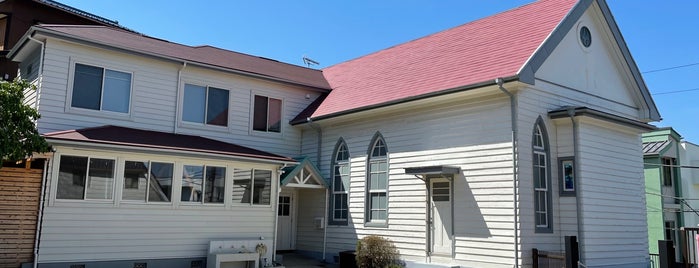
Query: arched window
(340, 184)
(541, 178)
(377, 182)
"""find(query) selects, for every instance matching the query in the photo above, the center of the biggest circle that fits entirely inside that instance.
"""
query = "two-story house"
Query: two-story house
(468, 147)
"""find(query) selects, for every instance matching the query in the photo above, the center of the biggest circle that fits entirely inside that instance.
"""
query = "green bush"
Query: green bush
(377, 252)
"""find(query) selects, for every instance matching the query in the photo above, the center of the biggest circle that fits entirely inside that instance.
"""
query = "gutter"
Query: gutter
(319, 132)
(40, 71)
(515, 179)
(579, 192)
(409, 99)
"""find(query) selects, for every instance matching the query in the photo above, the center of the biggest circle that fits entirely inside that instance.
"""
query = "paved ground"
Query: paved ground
(293, 260)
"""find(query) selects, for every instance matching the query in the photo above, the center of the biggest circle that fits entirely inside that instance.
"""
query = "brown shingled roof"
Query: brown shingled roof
(114, 135)
(206, 55)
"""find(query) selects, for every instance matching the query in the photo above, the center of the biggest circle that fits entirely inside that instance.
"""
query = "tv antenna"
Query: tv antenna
(309, 61)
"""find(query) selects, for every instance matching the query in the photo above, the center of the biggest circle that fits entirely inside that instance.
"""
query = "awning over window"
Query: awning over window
(303, 175)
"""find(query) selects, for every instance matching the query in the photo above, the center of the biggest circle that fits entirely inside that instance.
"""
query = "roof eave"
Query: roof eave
(567, 112)
(491, 82)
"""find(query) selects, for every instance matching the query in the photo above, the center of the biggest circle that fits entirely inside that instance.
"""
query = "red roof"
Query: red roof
(113, 135)
(473, 53)
(198, 54)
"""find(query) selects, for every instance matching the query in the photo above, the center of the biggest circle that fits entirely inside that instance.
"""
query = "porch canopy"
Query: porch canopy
(303, 175)
(431, 171)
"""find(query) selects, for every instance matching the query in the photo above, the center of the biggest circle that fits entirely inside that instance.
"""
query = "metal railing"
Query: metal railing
(654, 260)
(688, 246)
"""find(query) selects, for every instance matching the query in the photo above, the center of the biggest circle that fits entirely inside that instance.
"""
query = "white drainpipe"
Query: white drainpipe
(513, 119)
(40, 216)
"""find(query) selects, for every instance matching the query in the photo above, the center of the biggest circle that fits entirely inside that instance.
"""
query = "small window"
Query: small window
(85, 178)
(267, 114)
(284, 207)
(3, 31)
(203, 184)
(541, 178)
(205, 105)
(101, 89)
(567, 176)
(147, 181)
(668, 171)
(252, 186)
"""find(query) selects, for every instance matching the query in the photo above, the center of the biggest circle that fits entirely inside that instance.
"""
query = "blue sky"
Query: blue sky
(660, 34)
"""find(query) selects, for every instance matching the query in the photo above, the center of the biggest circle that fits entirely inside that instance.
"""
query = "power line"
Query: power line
(671, 68)
(675, 91)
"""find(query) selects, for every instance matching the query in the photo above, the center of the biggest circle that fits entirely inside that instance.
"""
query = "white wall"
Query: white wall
(102, 230)
(689, 156)
(156, 94)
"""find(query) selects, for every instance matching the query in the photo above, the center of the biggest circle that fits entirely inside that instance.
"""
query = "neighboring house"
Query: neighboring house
(468, 147)
(664, 199)
(689, 172)
(17, 16)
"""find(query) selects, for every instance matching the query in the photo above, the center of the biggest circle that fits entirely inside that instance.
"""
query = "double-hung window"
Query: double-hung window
(205, 105)
(267, 115)
(147, 181)
(340, 184)
(540, 165)
(252, 186)
(377, 182)
(203, 184)
(101, 89)
(81, 177)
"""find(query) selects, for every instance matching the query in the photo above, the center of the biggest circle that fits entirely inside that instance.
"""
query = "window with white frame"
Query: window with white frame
(340, 185)
(101, 89)
(541, 180)
(147, 181)
(205, 105)
(203, 184)
(81, 177)
(252, 186)
(377, 182)
(267, 115)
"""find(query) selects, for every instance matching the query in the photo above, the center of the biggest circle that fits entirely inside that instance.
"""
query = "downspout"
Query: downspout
(40, 71)
(40, 216)
(325, 222)
(515, 199)
(578, 191)
(319, 133)
(276, 214)
(177, 97)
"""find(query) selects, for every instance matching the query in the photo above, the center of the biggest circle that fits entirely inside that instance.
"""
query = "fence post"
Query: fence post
(535, 258)
(667, 254)
(572, 254)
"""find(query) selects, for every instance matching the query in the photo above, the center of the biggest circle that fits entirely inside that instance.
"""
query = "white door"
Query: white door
(285, 223)
(441, 217)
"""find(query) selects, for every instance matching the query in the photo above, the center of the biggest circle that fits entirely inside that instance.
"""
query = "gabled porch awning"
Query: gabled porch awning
(303, 175)
(432, 171)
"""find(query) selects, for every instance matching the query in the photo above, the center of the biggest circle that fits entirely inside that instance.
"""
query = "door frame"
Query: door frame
(293, 214)
(429, 213)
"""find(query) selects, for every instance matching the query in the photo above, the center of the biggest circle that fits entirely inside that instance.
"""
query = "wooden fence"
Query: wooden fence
(20, 189)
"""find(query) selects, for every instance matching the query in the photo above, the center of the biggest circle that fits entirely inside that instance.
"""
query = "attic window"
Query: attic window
(585, 36)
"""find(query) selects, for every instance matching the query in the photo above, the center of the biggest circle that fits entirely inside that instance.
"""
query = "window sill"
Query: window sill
(205, 127)
(98, 113)
(382, 224)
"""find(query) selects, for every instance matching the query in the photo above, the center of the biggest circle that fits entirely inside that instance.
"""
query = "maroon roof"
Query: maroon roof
(114, 135)
(470, 54)
(198, 54)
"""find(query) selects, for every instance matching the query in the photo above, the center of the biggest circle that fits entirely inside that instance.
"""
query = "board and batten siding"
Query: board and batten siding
(156, 98)
(19, 202)
(109, 230)
(450, 132)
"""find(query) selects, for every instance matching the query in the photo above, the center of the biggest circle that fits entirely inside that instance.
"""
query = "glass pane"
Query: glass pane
(262, 187)
(440, 198)
(215, 184)
(160, 189)
(194, 102)
(259, 121)
(440, 185)
(382, 180)
(71, 177)
(242, 185)
(217, 108)
(117, 91)
(379, 149)
(275, 115)
(135, 180)
(100, 183)
(192, 179)
(342, 153)
(337, 183)
(87, 87)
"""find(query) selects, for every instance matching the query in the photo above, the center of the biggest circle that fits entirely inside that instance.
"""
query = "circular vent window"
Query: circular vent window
(585, 36)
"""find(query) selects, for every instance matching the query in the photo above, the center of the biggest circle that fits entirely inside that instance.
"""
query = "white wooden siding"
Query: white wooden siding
(154, 98)
(450, 132)
(76, 230)
(33, 60)
(311, 205)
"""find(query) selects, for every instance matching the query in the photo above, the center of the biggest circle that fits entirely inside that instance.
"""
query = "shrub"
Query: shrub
(377, 252)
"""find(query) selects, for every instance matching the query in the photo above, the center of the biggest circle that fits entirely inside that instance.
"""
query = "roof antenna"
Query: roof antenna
(309, 61)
